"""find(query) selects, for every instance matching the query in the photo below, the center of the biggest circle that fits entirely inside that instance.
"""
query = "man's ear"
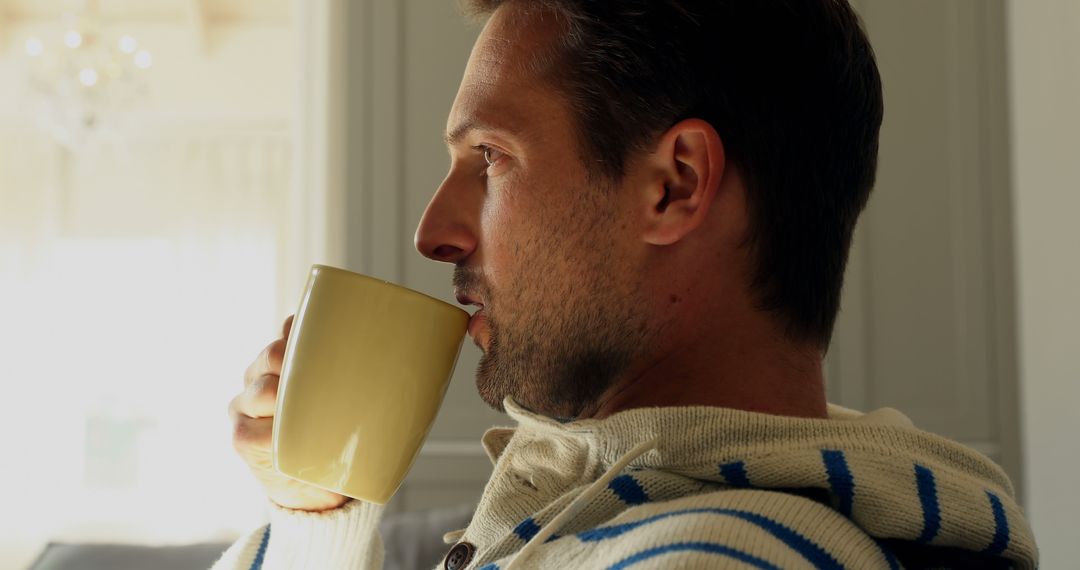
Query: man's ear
(688, 164)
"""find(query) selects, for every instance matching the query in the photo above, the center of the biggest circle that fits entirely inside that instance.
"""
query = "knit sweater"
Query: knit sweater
(699, 487)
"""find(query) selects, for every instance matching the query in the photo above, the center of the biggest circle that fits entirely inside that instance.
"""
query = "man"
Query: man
(651, 205)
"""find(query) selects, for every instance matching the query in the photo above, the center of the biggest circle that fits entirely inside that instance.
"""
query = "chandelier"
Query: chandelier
(83, 80)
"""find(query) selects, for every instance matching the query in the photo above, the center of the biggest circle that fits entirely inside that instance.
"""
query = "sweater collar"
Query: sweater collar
(690, 436)
(896, 469)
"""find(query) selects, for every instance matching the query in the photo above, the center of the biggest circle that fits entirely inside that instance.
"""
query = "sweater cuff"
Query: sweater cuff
(345, 538)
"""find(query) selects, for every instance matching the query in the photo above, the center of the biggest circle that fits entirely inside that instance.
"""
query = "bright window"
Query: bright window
(138, 282)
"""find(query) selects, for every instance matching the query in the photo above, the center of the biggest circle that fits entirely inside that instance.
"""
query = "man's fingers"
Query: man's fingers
(287, 327)
(271, 358)
(259, 399)
(252, 434)
(269, 361)
(275, 355)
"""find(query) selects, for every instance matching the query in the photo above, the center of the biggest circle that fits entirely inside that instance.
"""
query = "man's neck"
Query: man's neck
(755, 371)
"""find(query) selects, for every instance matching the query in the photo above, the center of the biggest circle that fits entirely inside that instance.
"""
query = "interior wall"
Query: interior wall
(925, 322)
(1045, 88)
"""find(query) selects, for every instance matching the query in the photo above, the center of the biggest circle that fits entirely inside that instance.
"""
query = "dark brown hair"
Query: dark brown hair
(792, 88)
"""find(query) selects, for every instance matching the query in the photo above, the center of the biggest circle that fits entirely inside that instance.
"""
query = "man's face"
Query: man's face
(541, 245)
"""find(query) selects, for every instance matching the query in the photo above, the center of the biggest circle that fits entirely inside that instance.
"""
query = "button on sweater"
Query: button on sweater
(699, 487)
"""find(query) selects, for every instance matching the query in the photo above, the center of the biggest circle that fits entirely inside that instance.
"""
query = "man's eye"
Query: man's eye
(491, 156)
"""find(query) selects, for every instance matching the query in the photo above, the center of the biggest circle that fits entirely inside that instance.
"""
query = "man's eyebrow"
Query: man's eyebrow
(458, 133)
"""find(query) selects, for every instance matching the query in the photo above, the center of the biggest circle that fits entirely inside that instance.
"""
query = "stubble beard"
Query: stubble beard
(560, 359)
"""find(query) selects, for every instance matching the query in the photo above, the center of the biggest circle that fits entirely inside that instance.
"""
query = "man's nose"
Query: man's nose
(447, 230)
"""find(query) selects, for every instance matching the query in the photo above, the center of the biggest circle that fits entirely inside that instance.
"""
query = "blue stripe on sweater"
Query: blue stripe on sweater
(894, 564)
(492, 566)
(527, 529)
(628, 489)
(924, 479)
(709, 547)
(804, 546)
(1001, 526)
(840, 479)
(261, 553)
(735, 474)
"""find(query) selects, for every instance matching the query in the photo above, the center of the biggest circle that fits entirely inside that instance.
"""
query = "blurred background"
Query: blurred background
(170, 169)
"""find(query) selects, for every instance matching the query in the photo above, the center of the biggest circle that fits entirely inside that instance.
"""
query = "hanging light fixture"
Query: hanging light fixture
(82, 80)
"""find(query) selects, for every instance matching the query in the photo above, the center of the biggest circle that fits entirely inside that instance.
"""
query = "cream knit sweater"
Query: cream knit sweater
(700, 487)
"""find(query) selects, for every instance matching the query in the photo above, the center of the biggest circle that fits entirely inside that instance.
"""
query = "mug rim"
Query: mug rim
(319, 267)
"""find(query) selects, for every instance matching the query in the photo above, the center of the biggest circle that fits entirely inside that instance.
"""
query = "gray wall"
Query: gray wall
(927, 324)
(1045, 81)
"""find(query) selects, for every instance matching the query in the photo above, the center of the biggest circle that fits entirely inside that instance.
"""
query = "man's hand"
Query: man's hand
(252, 414)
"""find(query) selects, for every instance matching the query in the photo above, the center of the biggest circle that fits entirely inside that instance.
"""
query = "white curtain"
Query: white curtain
(138, 279)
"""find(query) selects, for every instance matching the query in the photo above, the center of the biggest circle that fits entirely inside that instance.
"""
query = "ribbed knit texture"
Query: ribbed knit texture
(720, 488)
(343, 538)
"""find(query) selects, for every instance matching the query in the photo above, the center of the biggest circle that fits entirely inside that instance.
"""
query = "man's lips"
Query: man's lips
(468, 299)
(478, 320)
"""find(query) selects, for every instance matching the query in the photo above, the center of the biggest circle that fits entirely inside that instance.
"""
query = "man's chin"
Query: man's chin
(488, 385)
(495, 388)
(493, 393)
(566, 393)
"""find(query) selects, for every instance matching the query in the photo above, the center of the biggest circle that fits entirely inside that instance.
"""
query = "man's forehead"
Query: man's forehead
(505, 52)
(501, 81)
(492, 59)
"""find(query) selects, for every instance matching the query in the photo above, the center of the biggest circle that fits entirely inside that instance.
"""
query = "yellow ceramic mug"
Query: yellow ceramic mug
(366, 367)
